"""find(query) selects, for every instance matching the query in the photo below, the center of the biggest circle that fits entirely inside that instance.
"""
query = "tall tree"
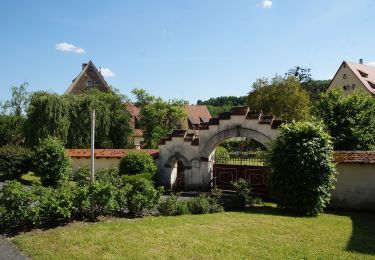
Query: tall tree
(19, 101)
(349, 119)
(158, 118)
(282, 97)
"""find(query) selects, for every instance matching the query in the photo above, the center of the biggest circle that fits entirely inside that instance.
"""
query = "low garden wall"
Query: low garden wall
(355, 186)
(104, 158)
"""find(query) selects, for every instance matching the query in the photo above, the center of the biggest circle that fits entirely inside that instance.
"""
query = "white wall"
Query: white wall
(355, 187)
(100, 163)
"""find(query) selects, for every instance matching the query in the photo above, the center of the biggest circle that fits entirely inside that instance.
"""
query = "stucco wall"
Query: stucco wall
(100, 163)
(339, 81)
(355, 187)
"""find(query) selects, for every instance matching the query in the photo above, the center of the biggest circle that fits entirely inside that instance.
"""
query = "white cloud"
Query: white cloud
(372, 63)
(64, 46)
(266, 3)
(107, 72)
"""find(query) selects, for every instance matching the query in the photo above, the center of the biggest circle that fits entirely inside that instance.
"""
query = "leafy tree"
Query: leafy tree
(350, 119)
(51, 163)
(302, 171)
(282, 97)
(19, 101)
(68, 118)
(158, 118)
(14, 162)
(315, 88)
(301, 73)
(222, 104)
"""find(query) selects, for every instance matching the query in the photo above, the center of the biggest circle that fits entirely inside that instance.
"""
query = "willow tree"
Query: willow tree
(68, 119)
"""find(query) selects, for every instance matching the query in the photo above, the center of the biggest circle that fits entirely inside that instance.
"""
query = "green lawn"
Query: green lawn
(258, 233)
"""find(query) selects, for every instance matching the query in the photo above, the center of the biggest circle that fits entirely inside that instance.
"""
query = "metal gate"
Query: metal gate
(250, 169)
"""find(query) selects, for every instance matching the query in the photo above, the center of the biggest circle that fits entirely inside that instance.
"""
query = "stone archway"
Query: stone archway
(196, 148)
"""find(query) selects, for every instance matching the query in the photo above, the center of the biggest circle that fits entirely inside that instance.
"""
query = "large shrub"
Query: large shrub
(51, 163)
(136, 163)
(141, 195)
(350, 119)
(221, 155)
(14, 162)
(302, 172)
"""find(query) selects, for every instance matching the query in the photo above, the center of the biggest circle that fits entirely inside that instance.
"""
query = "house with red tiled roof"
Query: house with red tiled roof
(134, 112)
(351, 76)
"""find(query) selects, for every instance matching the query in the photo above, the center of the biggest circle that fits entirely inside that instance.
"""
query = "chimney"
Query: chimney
(84, 65)
(360, 61)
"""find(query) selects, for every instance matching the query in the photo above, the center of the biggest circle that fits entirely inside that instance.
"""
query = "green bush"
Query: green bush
(141, 195)
(168, 207)
(199, 205)
(182, 208)
(102, 196)
(242, 195)
(51, 163)
(147, 176)
(221, 155)
(302, 172)
(137, 163)
(14, 162)
(215, 201)
(16, 206)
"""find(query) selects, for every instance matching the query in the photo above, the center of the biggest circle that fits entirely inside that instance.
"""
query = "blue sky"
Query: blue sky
(190, 49)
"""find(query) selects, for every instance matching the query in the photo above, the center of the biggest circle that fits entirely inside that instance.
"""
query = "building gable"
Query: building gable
(89, 77)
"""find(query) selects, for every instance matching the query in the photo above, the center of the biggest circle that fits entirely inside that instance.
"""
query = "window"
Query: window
(372, 85)
(89, 84)
(96, 83)
(353, 86)
(363, 74)
(344, 76)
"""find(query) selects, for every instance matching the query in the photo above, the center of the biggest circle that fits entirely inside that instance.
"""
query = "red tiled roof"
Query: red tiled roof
(134, 111)
(367, 69)
(362, 157)
(108, 153)
(197, 114)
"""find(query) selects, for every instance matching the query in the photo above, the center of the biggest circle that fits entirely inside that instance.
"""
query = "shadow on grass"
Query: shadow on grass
(362, 239)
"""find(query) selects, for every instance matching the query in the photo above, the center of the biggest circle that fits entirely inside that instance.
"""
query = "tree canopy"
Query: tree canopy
(349, 119)
(282, 97)
(158, 118)
(222, 104)
(68, 119)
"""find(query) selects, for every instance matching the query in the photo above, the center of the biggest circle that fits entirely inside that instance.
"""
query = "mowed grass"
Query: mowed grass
(259, 233)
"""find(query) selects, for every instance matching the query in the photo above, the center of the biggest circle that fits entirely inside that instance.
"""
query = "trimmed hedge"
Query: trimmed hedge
(14, 162)
(302, 169)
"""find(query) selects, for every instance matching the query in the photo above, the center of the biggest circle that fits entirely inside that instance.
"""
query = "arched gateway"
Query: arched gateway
(192, 153)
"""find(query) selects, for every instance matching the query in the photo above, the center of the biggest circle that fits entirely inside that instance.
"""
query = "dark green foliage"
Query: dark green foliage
(168, 207)
(147, 176)
(224, 100)
(68, 119)
(182, 208)
(158, 118)
(281, 97)
(141, 195)
(315, 88)
(137, 163)
(11, 129)
(216, 201)
(350, 119)
(14, 162)
(199, 205)
(242, 194)
(248, 144)
(15, 206)
(222, 104)
(51, 163)
(102, 196)
(302, 172)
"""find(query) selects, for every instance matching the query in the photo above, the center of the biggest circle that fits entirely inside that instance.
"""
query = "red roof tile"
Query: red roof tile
(108, 153)
(362, 157)
(197, 114)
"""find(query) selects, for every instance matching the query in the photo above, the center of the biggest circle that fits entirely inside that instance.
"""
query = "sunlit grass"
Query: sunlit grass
(258, 233)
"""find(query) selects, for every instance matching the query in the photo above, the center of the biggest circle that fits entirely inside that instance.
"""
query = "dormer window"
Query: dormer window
(344, 76)
(372, 84)
(363, 74)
